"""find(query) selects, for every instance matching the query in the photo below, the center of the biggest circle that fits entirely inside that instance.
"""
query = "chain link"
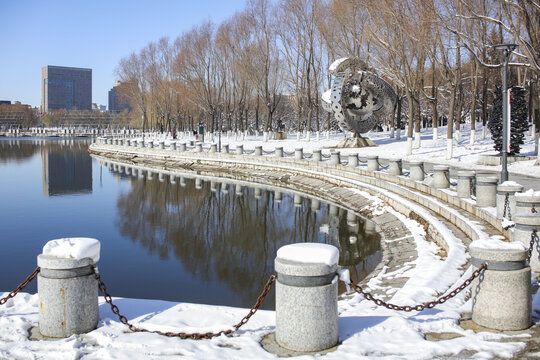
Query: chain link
(507, 207)
(21, 286)
(183, 335)
(534, 239)
(421, 307)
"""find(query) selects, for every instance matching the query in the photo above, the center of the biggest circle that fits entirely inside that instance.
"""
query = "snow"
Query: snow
(365, 330)
(316, 253)
(74, 248)
(495, 244)
(336, 63)
(510, 183)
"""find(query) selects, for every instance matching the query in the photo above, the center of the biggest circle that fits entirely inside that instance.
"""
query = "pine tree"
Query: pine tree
(518, 120)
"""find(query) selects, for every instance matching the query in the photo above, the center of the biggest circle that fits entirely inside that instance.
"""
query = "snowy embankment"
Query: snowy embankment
(365, 330)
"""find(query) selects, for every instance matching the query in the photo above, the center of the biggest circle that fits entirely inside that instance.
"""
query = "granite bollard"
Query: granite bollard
(198, 147)
(464, 184)
(162, 145)
(373, 163)
(395, 167)
(501, 295)
(353, 160)
(67, 287)
(507, 190)
(225, 148)
(526, 225)
(416, 170)
(335, 158)
(239, 149)
(317, 155)
(486, 191)
(306, 296)
(279, 151)
(298, 153)
(213, 148)
(258, 150)
(527, 202)
(441, 177)
(182, 146)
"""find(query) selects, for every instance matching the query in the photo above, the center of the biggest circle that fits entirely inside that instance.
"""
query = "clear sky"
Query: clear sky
(90, 34)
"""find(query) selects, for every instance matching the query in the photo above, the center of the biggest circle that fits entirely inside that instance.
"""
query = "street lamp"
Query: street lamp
(507, 48)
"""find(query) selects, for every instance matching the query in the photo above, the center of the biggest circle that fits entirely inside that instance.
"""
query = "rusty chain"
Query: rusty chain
(534, 239)
(421, 307)
(183, 335)
(507, 207)
(21, 286)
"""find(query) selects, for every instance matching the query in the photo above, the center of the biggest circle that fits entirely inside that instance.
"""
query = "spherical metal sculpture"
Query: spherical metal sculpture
(358, 98)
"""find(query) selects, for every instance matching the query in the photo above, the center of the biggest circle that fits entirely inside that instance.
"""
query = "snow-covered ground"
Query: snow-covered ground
(365, 330)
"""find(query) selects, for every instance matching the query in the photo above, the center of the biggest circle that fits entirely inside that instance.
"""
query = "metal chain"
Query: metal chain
(183, 335)
(507, 207)
(382, 167)
(534, 239)
(21, 286)
(288, 153)
(421, 307)
(533, 209)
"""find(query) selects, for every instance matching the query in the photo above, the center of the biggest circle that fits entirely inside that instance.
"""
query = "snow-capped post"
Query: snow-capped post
(395, 167)
(258, 150)
(238, 191)
(527, 226)
(213, 148)
(257, 193)
(416, 170)
(315, 204)
(225, 148)
(505, 198)
(441, 177)
(173, 145)
(198, 147)
(298, 153)
(198, 183)
(335, 157)
(161, 177)
(149, 175)
(353, 160)
(528, 202)
(279, 151)
(501, 296)
(306, 296)
(162, 145)
(140, 143)
(373, 163)
(486, 191)
(297, 200)
(239, 149)
(317, 155)
(67, 287)
(464, 187)
(182, 146)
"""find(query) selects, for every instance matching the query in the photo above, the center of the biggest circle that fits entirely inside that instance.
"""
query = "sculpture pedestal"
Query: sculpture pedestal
(355, 142)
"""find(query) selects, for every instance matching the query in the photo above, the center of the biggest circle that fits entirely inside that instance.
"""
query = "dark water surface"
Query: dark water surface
(160, 240)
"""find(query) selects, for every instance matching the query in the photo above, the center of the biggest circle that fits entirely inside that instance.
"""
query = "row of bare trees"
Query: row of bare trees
(269, 62)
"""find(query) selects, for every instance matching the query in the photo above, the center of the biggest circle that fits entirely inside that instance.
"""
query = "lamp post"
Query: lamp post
(507, 48)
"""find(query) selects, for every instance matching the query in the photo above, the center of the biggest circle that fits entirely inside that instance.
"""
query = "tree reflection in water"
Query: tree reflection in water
(230, 233)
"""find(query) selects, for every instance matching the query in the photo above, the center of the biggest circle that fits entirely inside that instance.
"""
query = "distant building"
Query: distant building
(98, 107)
(118, 101)
(65, 88)
(5, 102)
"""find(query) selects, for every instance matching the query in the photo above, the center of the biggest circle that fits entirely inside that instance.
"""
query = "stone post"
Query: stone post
(225, 188)
(182, 146)
(464, 189)
(149, 175)
(238, 190)
(353, 160)
(239, 149)
(317, 155)
(258, 193)
(162, 145)
(258, 150)
(297, 200)
(278, 196)
(173, 145)
(306, 296)
(213, 148)
(510, 188)
(67, 289)
(182, 181)
(395, 167)
(198, 147)
(140, 143)
(161, 177)
(335, 158)
(416, 170)
(172, 179)
(373, 163)
(225, 148)
(198, 183)
(527, 202)
(298, 153)
(486, 191)
(441, 177)
(501, 296)
(315, 204)
(279, 151)
(526, 224)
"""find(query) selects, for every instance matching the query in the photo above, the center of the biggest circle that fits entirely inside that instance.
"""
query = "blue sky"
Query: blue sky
(91, 34)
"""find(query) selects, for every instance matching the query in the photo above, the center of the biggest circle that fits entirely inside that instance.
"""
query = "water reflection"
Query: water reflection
(231, 232)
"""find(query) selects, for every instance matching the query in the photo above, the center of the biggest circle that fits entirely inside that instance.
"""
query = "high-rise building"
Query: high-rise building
(66, 88)
(118, 101)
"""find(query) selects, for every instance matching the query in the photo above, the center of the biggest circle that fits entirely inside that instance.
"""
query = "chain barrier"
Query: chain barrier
(20, 287)
(382, 167)
(288, 153)
(308, 156)
(325, 156)
(534, 239)
(533, 209)
(421, 307)
(507, 207)
(472, 184)
(446, 175)
(249, 152)
(183, 335)
(268, 152)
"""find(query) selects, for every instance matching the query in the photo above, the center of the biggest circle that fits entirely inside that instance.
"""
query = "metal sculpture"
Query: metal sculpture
(359, 99)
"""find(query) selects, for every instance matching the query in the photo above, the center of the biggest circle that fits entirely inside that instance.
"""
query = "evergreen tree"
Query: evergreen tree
(518, 120)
